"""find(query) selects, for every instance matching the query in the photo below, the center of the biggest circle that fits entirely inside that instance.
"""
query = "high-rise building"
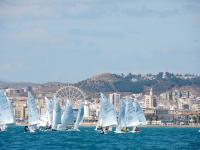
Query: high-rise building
(149, 100)
(86, 110)
(114, 99)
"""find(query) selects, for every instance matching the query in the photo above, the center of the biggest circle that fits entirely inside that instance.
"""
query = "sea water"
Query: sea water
(87, 138)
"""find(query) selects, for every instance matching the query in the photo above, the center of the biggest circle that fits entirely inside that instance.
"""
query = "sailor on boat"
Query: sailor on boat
(99, 128)
(136, 129)
(47, 126)
(124, 129)
(26, 129)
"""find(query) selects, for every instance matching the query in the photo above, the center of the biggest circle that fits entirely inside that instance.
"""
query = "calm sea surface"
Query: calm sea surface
(87, 138)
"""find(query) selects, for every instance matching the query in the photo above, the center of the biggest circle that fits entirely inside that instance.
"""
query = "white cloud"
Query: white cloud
(33, 35)
(56, 9)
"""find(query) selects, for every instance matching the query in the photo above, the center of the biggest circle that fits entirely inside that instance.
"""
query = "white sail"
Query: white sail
(131, 118)
(56, 113)
(108, 115)
(79, 118)
(99, 120)
(33, 116)
(140, 113)
(6, 112)
(67, 116)
(49, 112)
(121, 117)
(43, 120)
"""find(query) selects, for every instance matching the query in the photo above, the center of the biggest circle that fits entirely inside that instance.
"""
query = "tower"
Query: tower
(114, 99)
(148, 99)
(86, 110)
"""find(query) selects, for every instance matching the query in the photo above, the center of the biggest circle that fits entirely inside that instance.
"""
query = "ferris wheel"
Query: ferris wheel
(72, 93)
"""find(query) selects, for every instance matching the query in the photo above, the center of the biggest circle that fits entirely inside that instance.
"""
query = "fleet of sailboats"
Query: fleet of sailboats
(63, 121)
(130, 115)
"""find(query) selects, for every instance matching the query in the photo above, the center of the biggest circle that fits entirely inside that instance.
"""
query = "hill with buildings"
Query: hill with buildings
(137, 83)
(174, 97)
(107, 82)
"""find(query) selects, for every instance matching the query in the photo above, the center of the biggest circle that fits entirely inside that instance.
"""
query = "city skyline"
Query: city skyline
(70, 41)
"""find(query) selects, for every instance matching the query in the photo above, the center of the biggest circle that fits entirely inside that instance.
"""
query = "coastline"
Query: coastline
(171, 126)
(146, 126)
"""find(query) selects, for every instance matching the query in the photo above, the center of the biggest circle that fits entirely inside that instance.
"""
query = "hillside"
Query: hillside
(108, 82)
(136, 83)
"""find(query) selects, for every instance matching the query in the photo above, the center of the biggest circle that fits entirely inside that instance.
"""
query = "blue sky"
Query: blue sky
(71, 40)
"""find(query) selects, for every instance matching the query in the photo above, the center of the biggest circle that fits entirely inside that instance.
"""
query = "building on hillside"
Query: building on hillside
(184, 104)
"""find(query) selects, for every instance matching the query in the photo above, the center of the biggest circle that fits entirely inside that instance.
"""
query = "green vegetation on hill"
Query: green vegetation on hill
(136, 83)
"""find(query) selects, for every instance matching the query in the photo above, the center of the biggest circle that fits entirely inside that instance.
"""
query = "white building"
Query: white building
(114, 99)
(86, 110)
(148, 100)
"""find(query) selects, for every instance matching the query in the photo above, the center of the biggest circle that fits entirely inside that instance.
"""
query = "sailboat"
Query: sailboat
(67, 118)
(49, 107)
(46, 119)
(107, 116)
(33, 116)
(56, 114)
(121, 118)
(131, 116)
(79, 118)
(140, 116)
(140, 113)
(6, 112)
(128, 116)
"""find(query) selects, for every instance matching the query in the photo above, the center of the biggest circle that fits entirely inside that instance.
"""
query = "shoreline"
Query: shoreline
(146, 126)
(170, 126)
